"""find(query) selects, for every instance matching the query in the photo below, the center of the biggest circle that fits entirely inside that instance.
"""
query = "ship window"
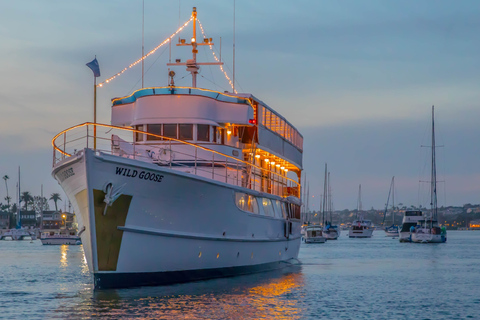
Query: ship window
(214, 133)
(154, 129)
(246, 202)
(138, 135)
(203, 132)
(185, 131)
(267, 207)
(170, 130)
(279, 211)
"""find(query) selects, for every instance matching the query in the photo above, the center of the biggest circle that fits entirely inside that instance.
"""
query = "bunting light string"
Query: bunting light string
(216, 59)
(145, 56)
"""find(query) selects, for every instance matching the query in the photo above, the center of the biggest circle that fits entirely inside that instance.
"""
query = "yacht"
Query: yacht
(428, 229)
(314, 234)
(361, 228)
(409, 221)
(184, 184)
(19, 234)
(59, 237)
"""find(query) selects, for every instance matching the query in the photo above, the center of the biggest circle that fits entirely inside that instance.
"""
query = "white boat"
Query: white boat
(314, 234)
(361, 228)
(19, 234)
(409, 221)
(185, 184)
(59, 237)
(392, 230)
(428, 230)
(331, 232)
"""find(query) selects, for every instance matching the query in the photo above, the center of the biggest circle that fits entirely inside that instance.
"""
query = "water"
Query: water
(377, 278)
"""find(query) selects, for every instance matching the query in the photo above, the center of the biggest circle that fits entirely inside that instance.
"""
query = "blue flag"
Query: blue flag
(95, 67)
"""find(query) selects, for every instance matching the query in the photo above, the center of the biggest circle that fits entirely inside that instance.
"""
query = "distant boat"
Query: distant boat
(314, 234)
(360, 228)
(330, 231)
(409, 221)
(391, 231)
(59, 237)
(18, 234)
(428, 230)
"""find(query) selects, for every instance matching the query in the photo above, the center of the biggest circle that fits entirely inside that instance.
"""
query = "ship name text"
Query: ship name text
(144, 175)
(65, 174)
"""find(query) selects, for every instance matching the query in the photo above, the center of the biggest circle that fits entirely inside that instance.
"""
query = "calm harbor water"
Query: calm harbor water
(377, 278)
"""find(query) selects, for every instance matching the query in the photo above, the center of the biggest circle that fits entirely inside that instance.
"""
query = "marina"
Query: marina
(183, 150)
(439, 275)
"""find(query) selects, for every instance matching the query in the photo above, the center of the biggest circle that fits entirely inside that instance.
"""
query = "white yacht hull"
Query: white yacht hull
(61, 241)
(404, 237)
(365, 233)
(315, 240)
(166, 226)
(428, 238)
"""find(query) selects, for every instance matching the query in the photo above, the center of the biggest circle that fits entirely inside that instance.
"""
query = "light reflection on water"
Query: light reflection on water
(376, 278)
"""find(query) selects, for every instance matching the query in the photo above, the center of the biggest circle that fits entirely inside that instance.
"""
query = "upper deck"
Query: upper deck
(235, 120)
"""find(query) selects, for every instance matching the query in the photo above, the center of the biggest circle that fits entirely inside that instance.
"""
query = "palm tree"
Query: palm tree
(5, 177)
(27, 198)
(55, 197)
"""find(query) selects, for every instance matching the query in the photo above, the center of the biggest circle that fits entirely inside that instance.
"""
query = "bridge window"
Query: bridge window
(267, 207)
(185, 131)
(170, 130)
(154, 129)
(203, 132)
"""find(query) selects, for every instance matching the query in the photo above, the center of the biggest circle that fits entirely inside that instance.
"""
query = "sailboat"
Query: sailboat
(361, 228)
(391, 231)
(330, 231)
(428, 230)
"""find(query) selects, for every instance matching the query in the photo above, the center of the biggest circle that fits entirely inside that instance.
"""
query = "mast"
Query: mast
(393, 200)
(19, 218)
(359, 202)
(192, 64)
(388, 199)
(325, 196)
(433, 187)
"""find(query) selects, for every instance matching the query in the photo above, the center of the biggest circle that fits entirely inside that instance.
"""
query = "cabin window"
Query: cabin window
(246, 202)
(138, 135)
(154, 129)
(170, 130)
(214, 133)
(185, 131)
(279, 210)
(203, 132)
(267, 207)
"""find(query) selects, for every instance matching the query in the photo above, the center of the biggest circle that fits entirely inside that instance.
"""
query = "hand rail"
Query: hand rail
(277, 183)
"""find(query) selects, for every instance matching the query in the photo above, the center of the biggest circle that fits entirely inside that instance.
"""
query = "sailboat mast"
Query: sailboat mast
(433, 187)
(393, 200)
(325, 191)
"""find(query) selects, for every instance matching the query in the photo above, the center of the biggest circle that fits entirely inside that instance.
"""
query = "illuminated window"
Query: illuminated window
(246, 202)
(203, 132)
(267, 207)
(185, 131)
(154, 129)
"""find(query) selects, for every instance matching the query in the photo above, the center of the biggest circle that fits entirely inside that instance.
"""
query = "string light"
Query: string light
(216, 59)
(148, 54)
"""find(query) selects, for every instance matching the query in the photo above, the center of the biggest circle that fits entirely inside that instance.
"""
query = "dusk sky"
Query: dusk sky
(357, 78)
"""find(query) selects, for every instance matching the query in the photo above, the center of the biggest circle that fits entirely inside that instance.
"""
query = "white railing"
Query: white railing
(175, 154)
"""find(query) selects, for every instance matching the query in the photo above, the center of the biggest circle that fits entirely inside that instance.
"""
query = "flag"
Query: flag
(95, 67)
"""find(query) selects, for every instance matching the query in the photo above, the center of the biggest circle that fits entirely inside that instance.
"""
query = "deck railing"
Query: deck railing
(175, 154)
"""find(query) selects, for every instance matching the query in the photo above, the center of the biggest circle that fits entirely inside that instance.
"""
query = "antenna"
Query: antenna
(143, 42)
(233, 76)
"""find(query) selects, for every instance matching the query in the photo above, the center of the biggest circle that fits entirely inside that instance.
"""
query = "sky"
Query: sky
(357, 78)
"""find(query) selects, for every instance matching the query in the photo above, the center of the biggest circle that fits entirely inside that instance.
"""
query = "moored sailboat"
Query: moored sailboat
(392, 230)
(360, 228)
(428, 229)
(184, 184)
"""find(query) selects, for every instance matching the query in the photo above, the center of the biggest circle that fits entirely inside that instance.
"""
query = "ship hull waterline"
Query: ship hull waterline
(165, 226)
